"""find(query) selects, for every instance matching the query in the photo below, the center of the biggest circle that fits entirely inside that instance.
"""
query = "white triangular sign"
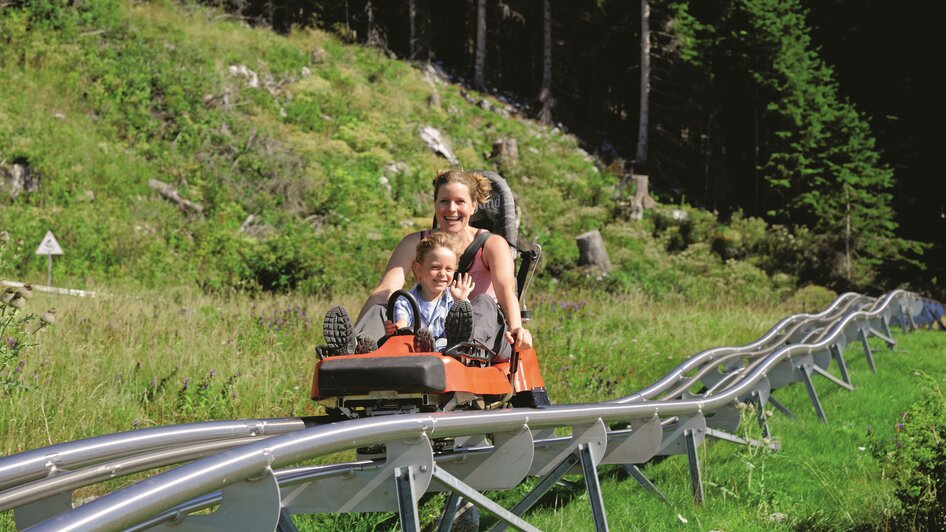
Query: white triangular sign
(49, 246)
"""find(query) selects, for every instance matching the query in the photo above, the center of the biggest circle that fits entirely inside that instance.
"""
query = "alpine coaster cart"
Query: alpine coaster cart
(396, 379)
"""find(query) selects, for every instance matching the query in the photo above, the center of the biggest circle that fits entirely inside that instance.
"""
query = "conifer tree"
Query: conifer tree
(819, 151)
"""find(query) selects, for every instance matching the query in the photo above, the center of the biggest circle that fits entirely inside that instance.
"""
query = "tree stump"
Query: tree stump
(506, 153)
(591, 251)
(641, 200)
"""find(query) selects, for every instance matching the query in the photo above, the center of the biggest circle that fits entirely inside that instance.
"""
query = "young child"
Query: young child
(446, 312)
(436, 292)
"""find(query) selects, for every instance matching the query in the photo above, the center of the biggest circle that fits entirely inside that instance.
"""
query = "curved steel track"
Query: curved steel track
(245, 468)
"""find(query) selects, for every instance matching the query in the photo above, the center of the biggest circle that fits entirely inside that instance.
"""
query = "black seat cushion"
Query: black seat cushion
(360, 375)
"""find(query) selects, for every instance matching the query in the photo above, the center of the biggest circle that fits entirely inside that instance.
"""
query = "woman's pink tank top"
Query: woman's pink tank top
(480, 274)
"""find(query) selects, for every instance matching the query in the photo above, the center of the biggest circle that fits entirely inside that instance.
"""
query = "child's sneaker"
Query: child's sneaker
(424, 341)
(459, 323)
(338, 332)
(364, 344)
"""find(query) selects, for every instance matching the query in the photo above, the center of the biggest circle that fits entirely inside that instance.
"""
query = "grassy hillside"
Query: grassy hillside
(318, 140)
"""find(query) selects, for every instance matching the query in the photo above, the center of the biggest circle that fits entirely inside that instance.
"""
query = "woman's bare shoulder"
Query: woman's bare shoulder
(406, 246)
(495, 248)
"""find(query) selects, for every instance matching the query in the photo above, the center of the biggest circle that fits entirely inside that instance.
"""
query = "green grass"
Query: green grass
(826, 477)
(118, 362)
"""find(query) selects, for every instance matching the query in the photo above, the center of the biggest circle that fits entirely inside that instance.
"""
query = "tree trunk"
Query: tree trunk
(480, 59)
(545, 95)
(591, 251)
(374, 37)
(640, 162)
(412, 14)
(420, 18)
(847, 240)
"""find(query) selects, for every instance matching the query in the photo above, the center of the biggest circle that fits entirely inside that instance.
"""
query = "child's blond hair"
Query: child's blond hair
(435, 240)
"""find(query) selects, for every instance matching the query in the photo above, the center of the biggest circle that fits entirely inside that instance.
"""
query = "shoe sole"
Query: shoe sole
(424, 342)
(338, 332)
(459, 323)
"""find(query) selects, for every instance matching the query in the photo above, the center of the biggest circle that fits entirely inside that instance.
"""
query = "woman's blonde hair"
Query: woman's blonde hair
(437, 240)
(479, 185)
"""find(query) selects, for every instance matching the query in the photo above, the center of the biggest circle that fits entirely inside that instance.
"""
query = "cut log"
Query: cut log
(170, 193)
(506, 153)
(591, 251)
(641, 200)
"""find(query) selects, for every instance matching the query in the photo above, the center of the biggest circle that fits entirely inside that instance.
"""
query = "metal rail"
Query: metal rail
(252, 492)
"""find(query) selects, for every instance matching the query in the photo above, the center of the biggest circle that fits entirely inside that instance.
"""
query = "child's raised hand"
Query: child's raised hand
(461, 287)
(389, 327)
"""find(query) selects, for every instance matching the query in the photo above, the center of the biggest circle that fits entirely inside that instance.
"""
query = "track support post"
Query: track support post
(590, 472)
(842, 366)
(761, 418)
(449, 512)
(885, 325)
(806, 371)
(867, 353)
(696, 479)
(539, 490)
(643, 481)
(406, 499)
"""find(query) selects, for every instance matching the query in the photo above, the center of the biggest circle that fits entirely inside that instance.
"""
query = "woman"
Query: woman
(457, 194)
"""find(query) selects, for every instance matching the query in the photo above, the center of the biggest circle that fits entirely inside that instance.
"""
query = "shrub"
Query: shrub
(812, 299)
(918, 457)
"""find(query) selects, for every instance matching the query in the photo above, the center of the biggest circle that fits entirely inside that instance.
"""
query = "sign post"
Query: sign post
(49, 247)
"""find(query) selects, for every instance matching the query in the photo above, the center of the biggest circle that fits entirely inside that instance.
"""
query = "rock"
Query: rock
(254, 227)
(777, 517)
(305, 72)
(435, 141)
(18, 178)
(395, 169)
(434, 75)
(385, 183)
(242, 71)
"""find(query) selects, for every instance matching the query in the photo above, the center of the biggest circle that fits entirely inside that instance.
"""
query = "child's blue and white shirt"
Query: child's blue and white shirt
(433, 314)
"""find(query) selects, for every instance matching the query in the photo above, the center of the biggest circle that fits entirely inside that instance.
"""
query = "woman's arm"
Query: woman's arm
(395, 273)
(498, 259)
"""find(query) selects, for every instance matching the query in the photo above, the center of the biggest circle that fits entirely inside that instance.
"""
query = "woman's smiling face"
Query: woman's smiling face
(454, 206)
